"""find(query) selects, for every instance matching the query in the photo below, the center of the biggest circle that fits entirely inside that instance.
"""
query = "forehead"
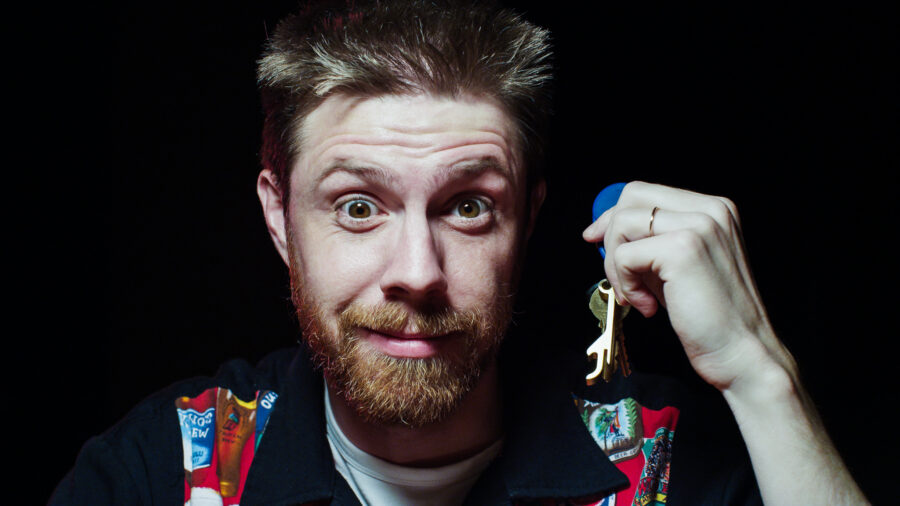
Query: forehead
(411, 127)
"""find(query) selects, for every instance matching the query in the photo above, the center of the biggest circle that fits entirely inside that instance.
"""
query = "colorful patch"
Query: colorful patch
(653, 487)
(215, 429)
(608, 501)
(617, 428)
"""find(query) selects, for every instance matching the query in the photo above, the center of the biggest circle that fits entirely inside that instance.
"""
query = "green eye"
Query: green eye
(469, 208)
(359, 209)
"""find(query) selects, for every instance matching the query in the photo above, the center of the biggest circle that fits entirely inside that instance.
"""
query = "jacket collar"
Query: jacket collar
(293, 463)
(547, 452)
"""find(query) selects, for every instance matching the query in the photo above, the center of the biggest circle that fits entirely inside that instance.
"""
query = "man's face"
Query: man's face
(406, 221)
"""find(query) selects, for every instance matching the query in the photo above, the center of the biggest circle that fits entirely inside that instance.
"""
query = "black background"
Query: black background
(149, 261)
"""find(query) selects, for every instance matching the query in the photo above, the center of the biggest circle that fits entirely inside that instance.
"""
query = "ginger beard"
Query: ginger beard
(389, 390)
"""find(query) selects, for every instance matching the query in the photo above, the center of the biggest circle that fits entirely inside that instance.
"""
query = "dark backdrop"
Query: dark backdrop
(153, 263)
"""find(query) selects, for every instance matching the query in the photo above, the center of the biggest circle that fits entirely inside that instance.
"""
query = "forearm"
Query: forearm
(793, 458)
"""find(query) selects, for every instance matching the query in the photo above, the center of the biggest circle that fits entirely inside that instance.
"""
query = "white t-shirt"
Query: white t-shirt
(378, 482)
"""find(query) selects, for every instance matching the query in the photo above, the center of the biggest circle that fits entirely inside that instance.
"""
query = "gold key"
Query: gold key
(609, 348)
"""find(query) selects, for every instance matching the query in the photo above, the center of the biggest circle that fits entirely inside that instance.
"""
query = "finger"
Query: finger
(637, 275)
(595, 231)
(714, 218)
(643, 267)
(631, 227)
(634, 224)
(640, 194)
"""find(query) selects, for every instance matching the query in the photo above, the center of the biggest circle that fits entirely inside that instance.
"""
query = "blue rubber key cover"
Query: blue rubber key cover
(605, 200)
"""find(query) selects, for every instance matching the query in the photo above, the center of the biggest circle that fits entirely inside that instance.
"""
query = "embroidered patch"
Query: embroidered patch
(639, 441)
(216, 428)
(653, 487)
(617, 428)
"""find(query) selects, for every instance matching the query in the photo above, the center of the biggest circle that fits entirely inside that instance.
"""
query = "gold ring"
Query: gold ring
(652, 217)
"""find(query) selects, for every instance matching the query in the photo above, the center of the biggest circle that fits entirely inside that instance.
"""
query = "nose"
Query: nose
(415, 270)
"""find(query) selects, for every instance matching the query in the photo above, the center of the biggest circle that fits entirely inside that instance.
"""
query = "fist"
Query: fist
(684, 250)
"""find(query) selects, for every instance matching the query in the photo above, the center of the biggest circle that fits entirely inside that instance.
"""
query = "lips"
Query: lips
(406, 335)
(400, 344)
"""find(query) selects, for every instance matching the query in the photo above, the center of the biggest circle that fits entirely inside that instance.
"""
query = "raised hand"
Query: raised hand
(684, 250)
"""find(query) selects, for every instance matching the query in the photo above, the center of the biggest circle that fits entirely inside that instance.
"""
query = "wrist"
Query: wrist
(764, 384)
(768, 373)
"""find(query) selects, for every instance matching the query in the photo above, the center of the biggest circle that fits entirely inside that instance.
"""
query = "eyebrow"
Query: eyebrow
(353, 168)
(462, 170)
(473, 168)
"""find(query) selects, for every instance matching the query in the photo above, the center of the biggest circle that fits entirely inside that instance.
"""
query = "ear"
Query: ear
(273, 210)
(538, 193)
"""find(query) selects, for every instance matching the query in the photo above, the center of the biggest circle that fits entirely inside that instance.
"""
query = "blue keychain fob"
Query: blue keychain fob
(605, 200)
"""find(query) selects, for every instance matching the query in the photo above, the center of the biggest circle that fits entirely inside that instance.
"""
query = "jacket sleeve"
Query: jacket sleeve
(99, 477)
(138, 461)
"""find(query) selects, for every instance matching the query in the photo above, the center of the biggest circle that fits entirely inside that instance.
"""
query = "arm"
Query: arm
(694, 258)
(99, 477)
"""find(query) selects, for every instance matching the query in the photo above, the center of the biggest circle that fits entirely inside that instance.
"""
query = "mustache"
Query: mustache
(397, 317)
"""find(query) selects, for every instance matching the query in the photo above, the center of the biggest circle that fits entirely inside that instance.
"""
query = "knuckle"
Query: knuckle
(728, 203)
(732, 208)
(706, 225)
(687, 244)
(612, 228)
(632, 189)
(620, 255)
(725, 210)
(719, 210)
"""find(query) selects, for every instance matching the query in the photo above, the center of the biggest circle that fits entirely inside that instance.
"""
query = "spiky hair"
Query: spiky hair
(439, 47)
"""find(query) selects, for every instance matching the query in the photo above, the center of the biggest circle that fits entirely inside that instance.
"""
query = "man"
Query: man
(401, 181)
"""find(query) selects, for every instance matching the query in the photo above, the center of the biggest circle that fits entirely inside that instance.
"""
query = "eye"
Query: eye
(359, 209)
(469, 208)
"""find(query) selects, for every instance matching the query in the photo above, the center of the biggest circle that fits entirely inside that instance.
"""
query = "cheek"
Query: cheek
(480, 270)
(337, 271)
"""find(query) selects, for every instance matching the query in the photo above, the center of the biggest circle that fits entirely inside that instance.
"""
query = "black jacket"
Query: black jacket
(548, 455)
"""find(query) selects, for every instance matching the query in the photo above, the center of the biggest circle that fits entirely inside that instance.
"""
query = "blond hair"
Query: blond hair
(438, 47)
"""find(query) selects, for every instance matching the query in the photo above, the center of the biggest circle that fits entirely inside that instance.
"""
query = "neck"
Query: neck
(475, 425)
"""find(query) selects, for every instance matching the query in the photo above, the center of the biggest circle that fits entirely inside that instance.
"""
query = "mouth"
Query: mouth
(402, 344)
